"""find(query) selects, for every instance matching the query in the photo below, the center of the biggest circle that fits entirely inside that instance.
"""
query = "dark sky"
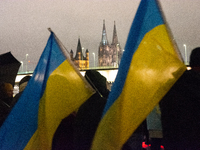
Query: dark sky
(24, 23)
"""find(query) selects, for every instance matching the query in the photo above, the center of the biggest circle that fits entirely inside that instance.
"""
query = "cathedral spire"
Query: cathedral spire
(104, 40)
(115, 38)
(79, 50)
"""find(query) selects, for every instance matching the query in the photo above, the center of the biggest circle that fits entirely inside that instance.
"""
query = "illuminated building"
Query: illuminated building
(109, 55)
(80, 60)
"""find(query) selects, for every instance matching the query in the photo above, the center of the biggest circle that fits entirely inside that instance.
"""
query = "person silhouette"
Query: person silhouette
(90, 112)
(180, 109)
(6, 98)
(22, 84)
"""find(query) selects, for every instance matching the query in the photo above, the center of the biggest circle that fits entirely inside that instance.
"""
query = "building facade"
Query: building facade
(109, 54)
(80, 60)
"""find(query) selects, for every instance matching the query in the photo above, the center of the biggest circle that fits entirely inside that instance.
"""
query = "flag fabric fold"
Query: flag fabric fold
(55, 90)
(149, 67)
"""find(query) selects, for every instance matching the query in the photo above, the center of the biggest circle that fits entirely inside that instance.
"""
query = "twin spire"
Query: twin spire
(109, 54)
(115, 38)
(104, 40)
(104, 35)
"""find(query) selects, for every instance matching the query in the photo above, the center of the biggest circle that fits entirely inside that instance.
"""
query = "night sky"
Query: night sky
(24, 23)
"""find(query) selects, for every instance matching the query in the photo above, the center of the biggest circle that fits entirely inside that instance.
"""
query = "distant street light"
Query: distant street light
(82, 52)
(22, 65)
(26, 61)
(94, 58)
(186, 61)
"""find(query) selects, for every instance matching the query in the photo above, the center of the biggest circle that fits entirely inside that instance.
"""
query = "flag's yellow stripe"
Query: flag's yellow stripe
(58, 101)
(154, 68)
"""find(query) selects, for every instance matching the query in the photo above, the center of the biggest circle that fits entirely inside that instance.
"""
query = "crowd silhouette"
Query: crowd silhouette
(173, 123)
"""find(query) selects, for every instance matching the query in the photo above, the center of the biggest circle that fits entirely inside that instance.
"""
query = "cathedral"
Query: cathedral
(80, 60)
(109, 54)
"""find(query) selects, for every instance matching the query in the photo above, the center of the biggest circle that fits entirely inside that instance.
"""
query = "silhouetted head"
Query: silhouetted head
(6, 90)
(195, 58)
(96, 80)
(23, 82)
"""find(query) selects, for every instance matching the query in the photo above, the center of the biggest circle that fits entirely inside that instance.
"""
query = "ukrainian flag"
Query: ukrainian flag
(55, 90)
(149, 67)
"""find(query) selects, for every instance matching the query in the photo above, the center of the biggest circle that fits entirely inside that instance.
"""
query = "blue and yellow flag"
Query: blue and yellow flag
(149, 67)
(54, 91)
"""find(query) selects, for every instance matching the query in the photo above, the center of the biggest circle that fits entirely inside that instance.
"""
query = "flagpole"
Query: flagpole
(170, 33)
(59, 42)
(69, 60)
(63, 50)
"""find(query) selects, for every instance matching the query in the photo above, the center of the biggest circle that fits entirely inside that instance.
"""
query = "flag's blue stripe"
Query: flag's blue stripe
(143, 22)
(21, 124)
